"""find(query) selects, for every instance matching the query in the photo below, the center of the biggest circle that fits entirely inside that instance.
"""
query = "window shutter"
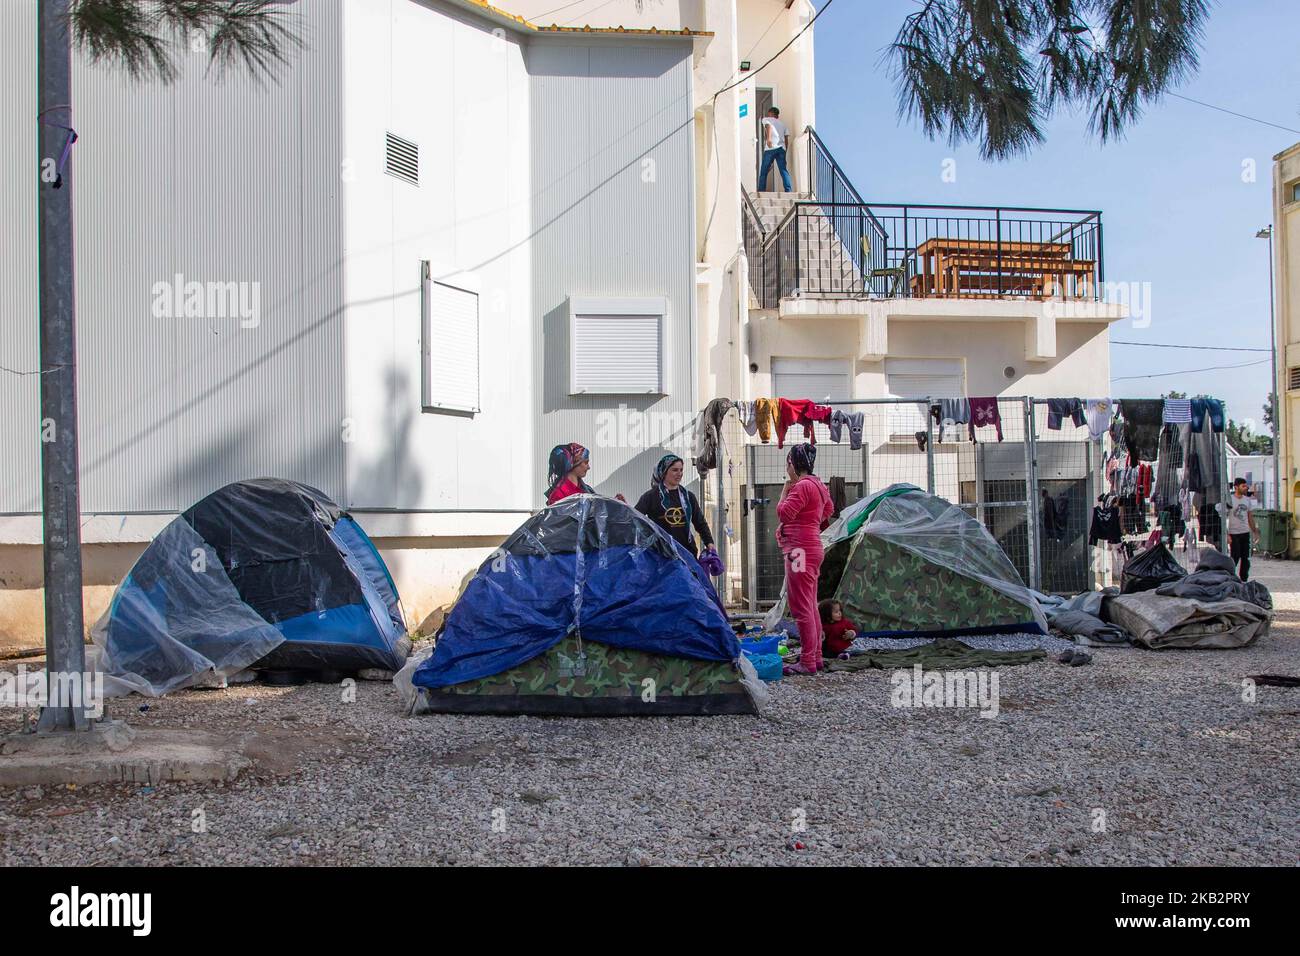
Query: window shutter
(816, 379)
(451, 349)
(615, 352)
(1293, 378)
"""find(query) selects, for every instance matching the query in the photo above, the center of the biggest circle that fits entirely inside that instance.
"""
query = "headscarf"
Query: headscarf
(802, 456)
(564, 458)
(657, 481)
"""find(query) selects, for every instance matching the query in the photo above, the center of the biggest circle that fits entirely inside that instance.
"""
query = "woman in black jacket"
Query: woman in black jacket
(674, 508)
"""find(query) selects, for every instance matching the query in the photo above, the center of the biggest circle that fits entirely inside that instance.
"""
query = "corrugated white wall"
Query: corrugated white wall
(613, 214)
(217, 181)
(457, 86)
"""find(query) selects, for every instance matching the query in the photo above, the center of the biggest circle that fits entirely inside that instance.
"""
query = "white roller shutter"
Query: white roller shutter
(920, 378)
(617, 346)
(450, 379)
(817, 379)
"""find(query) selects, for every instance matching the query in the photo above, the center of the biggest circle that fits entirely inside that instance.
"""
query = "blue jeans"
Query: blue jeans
(1203, 406)
(777, 155)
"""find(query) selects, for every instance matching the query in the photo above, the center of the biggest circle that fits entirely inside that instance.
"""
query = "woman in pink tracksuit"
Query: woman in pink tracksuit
(804, 510)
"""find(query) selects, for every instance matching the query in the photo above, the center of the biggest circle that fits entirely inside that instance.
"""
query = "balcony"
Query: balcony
(837, 246)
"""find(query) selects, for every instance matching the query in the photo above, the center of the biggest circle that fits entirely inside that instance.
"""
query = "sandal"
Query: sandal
(789, 670)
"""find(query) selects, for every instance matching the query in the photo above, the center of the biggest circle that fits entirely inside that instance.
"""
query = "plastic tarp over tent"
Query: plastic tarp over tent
(575, 612)
(267, 573)
(906, 563)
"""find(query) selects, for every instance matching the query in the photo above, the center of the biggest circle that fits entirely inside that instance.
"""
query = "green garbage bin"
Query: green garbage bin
(1274, 531)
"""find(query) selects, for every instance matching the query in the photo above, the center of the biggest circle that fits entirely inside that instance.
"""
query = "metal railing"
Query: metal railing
(837, 245)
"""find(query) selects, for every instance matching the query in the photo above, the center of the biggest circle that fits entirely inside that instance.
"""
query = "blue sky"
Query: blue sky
(1175, 210)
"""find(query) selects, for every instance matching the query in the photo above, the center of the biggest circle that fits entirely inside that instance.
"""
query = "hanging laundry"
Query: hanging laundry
(1142, 420)
(839, 494)
(1059, 409)
(799, 411)
(707, 437)
(836, 425)
(984, 412)
(1203, 408)
(1177, 411)
(1098, 412)
(765, 412)
(1105, 525)
(950, 411)
(853, 420)
(748, 421)
(1167, 465)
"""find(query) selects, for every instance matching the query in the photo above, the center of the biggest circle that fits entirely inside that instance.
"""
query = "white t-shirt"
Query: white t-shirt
(774, 133)
(1238, 510)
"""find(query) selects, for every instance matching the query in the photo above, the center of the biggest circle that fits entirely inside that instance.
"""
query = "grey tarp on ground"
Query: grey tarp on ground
(1158, 621)
(1081, 618)
(1215, 579)
(1081, 624)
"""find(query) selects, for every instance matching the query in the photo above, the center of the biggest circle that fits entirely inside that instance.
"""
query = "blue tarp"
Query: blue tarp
(587, 564)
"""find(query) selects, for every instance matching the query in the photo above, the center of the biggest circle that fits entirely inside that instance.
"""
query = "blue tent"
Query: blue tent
(586, 585)
(267, 573)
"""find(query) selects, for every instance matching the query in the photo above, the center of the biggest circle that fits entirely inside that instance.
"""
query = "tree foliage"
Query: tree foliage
(995, 70)
(145, 37)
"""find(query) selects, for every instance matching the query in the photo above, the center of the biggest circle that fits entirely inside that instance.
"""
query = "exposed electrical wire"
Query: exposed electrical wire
(1253, 119)
(1188, 371)
(1207, 348)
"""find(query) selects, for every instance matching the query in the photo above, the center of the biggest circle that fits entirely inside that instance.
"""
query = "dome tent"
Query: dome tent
(267, 573)
(904, 563)
(589, 608)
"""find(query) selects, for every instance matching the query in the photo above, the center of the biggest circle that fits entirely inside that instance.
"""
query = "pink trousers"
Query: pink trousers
(802, 567)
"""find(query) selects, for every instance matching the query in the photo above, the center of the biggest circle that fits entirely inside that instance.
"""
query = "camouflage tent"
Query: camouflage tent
(904, 563)
(588, 608)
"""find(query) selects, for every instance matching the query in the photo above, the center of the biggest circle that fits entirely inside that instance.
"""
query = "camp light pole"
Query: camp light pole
(65, 651)
(1273, 403)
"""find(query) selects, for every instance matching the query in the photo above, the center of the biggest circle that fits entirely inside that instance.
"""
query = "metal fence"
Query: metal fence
(1008, 485)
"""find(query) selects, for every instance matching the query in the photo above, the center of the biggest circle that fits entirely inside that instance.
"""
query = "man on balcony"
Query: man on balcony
(775, 136)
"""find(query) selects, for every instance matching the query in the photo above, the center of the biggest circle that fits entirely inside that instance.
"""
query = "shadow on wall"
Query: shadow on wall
(392, 479)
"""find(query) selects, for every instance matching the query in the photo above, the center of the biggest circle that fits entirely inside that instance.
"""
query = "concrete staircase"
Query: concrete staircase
(825, 266)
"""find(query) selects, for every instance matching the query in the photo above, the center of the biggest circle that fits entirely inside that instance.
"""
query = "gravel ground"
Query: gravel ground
(1160, 744)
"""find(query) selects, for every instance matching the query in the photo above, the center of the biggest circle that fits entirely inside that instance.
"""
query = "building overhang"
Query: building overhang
(1040, 317)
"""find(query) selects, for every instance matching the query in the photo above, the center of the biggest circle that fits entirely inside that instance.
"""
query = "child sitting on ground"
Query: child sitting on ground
(839, 631)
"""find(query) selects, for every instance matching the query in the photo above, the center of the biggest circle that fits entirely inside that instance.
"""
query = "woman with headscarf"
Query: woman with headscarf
(674, 508)
(565, 471)
(804, 510)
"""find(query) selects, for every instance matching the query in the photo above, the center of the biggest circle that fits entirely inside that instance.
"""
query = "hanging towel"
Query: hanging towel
(1059, 409)
(984, 411)
(951, 411)
(748, 421)
(1177, 411)
(765, 412)
(1098, 412)
(1142, 421)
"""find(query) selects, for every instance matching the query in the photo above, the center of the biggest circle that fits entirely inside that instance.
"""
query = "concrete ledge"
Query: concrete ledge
(115, 753)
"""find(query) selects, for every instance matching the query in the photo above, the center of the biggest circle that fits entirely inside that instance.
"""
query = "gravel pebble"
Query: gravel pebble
(1143, 758)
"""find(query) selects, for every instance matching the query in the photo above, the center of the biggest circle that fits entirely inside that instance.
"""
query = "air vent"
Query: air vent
(403, 159)
(1293, 378)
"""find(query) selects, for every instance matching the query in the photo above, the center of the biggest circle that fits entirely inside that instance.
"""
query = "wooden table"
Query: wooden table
(977, 268)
